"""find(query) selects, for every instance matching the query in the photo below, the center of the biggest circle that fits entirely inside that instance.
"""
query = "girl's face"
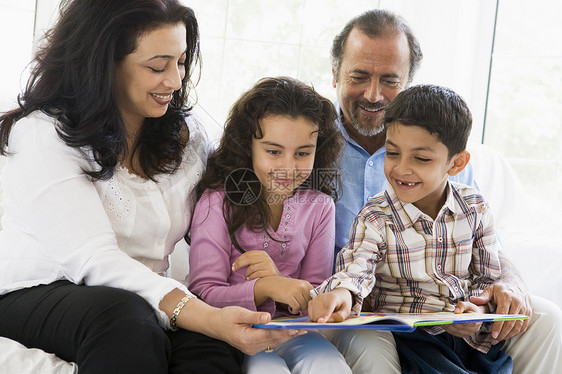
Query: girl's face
(283, 158)
(146, 79)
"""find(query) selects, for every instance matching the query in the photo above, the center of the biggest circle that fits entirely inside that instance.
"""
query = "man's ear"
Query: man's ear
(460, 160)
(333, 77)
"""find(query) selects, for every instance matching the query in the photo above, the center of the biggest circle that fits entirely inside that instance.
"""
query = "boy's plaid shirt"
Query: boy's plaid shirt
(410, 263)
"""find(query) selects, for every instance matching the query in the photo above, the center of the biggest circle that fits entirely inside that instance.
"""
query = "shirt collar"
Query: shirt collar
(406, 214)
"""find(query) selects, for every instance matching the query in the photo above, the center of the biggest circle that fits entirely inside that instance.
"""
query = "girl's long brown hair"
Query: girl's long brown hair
(232, 160)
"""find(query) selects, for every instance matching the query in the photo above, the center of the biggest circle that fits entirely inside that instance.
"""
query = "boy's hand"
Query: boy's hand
(334, 306)
(293, 292)
(463, 330)
(259, 265)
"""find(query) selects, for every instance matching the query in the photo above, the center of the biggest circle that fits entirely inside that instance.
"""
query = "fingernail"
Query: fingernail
(233, 267)
(302, 332)
(494, 342)
(293, 332)
(495, 334)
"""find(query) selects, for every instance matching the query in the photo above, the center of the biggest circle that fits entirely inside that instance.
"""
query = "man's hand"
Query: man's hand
(333, 306)
(464, 330)
(508, 300)
(258, 265)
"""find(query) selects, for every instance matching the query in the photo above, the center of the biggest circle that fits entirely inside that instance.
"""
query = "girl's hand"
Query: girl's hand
(293, 292)
(334, 306)
(463, 330)
(258, 263)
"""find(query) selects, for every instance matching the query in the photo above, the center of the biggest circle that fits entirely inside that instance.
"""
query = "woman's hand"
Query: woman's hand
(232, 324)
(333, 306)
(258, 263)
(464, 330)
(293, 292)
(235, 327)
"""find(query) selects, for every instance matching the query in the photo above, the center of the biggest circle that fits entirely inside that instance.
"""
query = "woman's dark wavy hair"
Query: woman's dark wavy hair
(72, 81)
(231, 163)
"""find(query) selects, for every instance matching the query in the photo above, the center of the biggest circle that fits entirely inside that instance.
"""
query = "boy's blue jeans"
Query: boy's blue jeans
(421, 352)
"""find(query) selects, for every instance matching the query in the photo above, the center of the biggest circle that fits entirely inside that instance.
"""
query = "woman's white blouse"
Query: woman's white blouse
(58, 224)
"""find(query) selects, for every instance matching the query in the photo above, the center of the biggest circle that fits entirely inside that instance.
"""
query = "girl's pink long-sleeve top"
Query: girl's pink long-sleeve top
(303, 248)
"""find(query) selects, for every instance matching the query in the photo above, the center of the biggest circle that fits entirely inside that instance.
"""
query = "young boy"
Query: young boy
(425, 244)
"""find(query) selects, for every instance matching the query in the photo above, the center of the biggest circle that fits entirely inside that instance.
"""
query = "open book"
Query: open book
(389, 321)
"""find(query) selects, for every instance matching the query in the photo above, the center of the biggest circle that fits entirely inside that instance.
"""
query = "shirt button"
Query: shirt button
(371, 163)
(288, 215)
(440, 239)
(438, 267)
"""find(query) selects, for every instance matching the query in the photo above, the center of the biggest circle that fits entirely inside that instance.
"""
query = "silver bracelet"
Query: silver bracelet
(177, 311)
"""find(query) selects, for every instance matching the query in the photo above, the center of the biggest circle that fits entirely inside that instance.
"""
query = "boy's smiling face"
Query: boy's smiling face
(417, 166)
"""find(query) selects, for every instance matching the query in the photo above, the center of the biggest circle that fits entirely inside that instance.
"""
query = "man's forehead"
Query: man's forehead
(362, 52)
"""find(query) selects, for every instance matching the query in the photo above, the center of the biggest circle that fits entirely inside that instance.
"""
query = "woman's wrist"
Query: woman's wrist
(195, 315)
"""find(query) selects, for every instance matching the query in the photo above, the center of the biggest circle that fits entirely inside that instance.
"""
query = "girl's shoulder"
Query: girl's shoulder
(209, 204)
(213, 196)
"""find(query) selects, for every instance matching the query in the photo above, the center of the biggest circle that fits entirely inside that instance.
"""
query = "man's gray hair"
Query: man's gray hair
(377, 23)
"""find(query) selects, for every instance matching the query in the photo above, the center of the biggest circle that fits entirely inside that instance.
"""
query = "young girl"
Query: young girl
(263, 230)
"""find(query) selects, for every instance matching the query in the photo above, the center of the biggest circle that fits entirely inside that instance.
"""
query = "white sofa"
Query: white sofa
(534, 248)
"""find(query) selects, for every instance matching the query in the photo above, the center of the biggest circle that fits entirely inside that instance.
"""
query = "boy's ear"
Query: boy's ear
(333, 77)
(460, 160)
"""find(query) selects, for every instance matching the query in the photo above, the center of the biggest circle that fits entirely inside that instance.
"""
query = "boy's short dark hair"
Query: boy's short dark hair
(437, 109)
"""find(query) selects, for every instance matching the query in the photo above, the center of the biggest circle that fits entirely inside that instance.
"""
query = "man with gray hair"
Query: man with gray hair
(374, 58)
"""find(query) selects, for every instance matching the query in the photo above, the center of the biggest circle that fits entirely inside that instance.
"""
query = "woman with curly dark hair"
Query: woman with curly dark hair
(103, 155)
(263, 229)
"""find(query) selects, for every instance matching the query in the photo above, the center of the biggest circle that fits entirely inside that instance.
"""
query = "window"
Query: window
(16, 30)
(244, 40)
(524, 116)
